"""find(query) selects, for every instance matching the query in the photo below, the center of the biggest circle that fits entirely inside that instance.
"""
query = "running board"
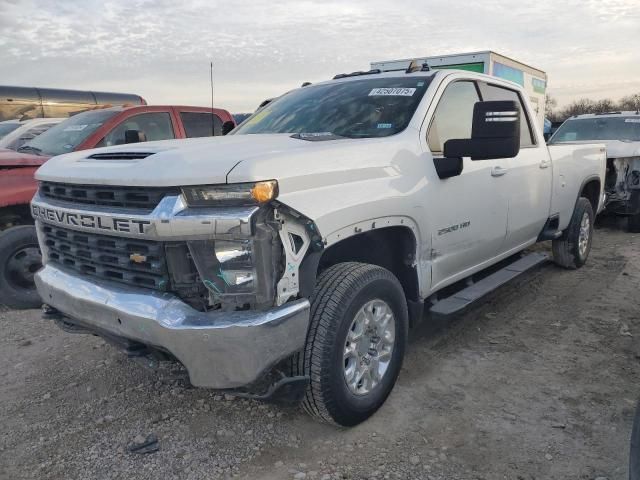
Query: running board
(465, 297)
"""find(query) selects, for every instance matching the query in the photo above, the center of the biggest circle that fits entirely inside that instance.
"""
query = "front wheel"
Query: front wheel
(356, 342)
(572, 249)
(19, 260)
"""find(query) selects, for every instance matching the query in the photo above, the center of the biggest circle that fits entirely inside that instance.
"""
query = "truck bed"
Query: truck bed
(573, 166)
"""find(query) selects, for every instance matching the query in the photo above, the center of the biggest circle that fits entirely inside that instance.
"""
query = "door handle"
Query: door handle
(545, 164)
(498, 171)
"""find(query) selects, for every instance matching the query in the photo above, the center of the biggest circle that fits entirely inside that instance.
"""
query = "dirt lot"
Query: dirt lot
(539, 382)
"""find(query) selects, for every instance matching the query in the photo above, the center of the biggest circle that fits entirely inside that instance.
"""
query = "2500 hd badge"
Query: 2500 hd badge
(89, 221)
(454, 228)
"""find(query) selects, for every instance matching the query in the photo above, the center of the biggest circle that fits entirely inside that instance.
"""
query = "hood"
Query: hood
(11, 158)
(195, 161)
(618, 149)
(199, 161)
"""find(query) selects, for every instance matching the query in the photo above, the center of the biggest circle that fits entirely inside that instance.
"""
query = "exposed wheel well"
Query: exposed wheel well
(15, 215)
(393, 248)
(591, 191)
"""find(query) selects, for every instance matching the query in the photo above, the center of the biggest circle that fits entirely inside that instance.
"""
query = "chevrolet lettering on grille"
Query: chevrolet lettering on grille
(90, 221)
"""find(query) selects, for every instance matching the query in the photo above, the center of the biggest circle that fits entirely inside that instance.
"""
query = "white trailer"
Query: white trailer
(533, 80)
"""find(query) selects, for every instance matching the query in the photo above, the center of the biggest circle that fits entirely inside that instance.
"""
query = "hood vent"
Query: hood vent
(121, 155)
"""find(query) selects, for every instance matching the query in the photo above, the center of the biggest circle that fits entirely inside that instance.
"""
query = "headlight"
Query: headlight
(237, 271)
(225, 267)
(234, 194)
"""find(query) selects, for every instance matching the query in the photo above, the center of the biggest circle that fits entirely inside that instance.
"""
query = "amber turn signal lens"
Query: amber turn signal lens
(263, 192)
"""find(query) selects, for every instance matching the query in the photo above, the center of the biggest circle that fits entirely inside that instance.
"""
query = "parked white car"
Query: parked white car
(620, 132)
(293, 255)
(20, 132)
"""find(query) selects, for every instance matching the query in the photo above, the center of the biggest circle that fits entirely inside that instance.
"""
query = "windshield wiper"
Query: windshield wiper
(29, 148)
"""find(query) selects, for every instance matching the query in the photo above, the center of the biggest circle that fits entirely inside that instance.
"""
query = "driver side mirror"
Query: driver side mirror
(227, 127)
(134, 136)
(495, 133)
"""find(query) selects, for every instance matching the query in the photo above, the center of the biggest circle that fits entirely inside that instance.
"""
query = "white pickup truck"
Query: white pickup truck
(620, 133)
(293, 255)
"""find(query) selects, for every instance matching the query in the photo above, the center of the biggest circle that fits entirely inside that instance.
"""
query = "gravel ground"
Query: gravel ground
(538, 382)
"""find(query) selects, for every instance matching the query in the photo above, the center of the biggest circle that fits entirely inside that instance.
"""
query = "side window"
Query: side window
(155, 126)
(493, 92)
(454, 115)
(201, 124)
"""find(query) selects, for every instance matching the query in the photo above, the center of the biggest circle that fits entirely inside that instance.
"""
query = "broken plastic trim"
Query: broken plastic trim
(237, 272)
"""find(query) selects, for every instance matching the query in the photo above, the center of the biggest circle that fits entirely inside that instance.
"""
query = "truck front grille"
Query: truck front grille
(139, 263)
(146, 198)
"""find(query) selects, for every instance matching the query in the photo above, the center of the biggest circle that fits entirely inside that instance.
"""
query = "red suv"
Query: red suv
(101, 127)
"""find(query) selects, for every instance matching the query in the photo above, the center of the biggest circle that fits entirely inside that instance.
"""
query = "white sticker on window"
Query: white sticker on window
(392, 92)
(75, 128)
(632, 120)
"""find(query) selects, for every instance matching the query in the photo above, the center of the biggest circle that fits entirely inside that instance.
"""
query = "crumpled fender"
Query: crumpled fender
(347, 187)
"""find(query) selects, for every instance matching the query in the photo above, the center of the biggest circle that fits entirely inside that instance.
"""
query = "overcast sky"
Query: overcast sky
(161, 49)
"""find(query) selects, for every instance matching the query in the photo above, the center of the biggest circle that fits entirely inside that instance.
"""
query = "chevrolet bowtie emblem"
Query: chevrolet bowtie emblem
(137, 258)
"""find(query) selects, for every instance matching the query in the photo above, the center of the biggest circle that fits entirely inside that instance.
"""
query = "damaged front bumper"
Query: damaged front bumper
(623, 185)
(219, 349)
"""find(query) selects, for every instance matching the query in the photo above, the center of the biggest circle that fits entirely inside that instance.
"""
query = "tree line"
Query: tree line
(587, 105)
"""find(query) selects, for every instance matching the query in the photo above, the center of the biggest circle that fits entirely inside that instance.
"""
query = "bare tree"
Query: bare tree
(578, 107)
(586, 105)
(550, 105)
(630, 102)
(605, 105)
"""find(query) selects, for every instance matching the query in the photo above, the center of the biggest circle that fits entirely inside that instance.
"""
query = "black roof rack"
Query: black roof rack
(609, 113)
(357, 74)
(415, 66)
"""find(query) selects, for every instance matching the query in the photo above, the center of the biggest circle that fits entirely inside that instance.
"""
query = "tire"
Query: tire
(19, 260)
(342, 292)
(634, 223)
(572, 249)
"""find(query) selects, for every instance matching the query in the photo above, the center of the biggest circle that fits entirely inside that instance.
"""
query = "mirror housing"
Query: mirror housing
(495, 132)
(227, 127)
(447, 167)
(134, 136)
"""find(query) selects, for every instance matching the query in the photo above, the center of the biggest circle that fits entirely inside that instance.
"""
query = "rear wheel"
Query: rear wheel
(19, 260)
(572, 249)
(356, 342)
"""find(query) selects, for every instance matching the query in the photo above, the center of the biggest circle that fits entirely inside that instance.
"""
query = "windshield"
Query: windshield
(373, 107)
(67, 135)
(6, 128)
(626, 129)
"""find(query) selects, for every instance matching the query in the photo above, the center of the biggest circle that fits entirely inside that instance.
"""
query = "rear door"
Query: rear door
(200, 123)
(528, 176)
(467, 213)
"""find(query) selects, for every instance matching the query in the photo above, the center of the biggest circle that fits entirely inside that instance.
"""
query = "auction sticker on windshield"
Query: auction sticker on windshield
(392, 92)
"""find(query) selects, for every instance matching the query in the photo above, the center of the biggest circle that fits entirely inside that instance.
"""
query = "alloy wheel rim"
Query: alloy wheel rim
(585, 233)
(369, 347)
